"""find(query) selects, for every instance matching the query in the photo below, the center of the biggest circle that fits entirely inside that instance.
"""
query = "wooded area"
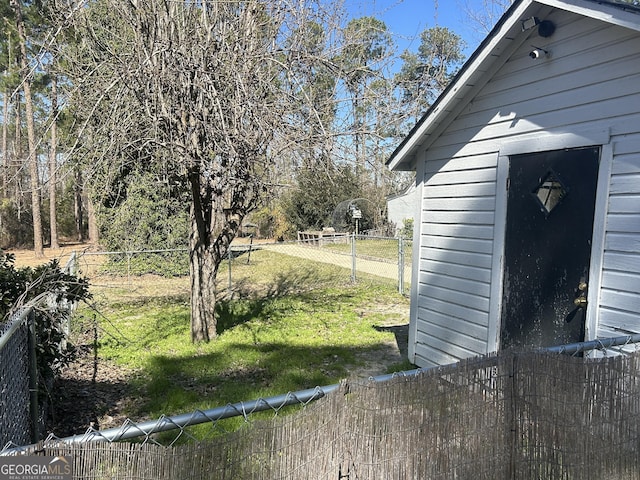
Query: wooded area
(67, 69)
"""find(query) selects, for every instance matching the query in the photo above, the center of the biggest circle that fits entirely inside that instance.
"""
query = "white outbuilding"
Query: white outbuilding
(527, 219)
(401, 207)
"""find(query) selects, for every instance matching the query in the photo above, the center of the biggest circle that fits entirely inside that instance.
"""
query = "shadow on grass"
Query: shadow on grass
(80, 403)
(232, 313)
(179, 385)
(81, 398)
(249, 300)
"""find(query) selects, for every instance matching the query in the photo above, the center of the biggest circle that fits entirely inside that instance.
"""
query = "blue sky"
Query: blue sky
(408, 18)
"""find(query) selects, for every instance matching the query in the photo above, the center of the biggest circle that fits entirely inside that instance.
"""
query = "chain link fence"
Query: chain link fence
(282, 266)
(512, 415)
(23, 413)
(324, 261)
(16, 381)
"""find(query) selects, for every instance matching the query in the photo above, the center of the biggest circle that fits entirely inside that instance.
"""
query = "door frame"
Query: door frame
(536, 143)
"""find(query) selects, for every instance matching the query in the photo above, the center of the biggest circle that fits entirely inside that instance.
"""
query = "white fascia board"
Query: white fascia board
(445, 103)
(598, 11)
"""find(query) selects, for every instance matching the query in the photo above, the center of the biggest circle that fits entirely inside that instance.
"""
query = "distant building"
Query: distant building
(403, 206)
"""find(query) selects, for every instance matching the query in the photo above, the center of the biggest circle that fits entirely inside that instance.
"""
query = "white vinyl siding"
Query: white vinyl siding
(620, 292)
(456, 244)
(591, 81)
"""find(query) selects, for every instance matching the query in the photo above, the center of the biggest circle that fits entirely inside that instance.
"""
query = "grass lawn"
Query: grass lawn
(289, 325)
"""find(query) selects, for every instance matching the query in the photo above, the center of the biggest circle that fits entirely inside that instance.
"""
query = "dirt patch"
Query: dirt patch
(391, 353)
(89, 393)
(391, 318)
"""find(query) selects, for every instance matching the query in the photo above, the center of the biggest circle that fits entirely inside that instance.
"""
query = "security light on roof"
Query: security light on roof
(529, 23)
(545, 27)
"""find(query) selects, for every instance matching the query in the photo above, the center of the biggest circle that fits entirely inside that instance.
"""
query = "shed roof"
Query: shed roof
(507, 35)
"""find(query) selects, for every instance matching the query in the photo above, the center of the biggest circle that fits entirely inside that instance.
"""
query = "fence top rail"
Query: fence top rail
(364, 236)
(15, 321)
(597, 344)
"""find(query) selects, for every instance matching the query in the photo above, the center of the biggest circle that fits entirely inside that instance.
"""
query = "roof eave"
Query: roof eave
(616, 14)
(404, 157)
(463, 84)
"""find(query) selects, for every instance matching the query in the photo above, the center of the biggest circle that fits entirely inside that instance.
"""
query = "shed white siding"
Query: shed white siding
(591, 81)
(620, 292)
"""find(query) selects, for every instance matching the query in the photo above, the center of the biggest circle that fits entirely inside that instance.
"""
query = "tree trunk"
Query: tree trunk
(208, 245)
(5, 145)
(53, 164)
(15, 172)
(38, 247)
(92, 223)
(77, 205)
(203, 269)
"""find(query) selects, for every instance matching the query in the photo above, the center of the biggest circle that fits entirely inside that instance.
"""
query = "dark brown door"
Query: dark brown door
(550, 207)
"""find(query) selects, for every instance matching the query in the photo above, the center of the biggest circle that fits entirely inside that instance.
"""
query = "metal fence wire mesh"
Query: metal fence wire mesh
(15, 419)
(516, 415)
(347, 258)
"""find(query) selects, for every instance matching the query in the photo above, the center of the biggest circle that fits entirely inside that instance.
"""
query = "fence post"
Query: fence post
(401, 265)
(353, 258)
(250, 246)
(34, 409)
(71, 267)
(129, 255)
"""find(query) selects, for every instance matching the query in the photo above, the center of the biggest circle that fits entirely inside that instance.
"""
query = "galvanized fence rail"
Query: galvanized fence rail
(512, 415)
(354, 257)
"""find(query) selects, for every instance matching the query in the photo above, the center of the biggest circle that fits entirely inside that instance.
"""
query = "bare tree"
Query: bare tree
(210, 86)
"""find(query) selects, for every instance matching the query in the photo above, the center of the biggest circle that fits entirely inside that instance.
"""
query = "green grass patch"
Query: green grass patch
(287, 325)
